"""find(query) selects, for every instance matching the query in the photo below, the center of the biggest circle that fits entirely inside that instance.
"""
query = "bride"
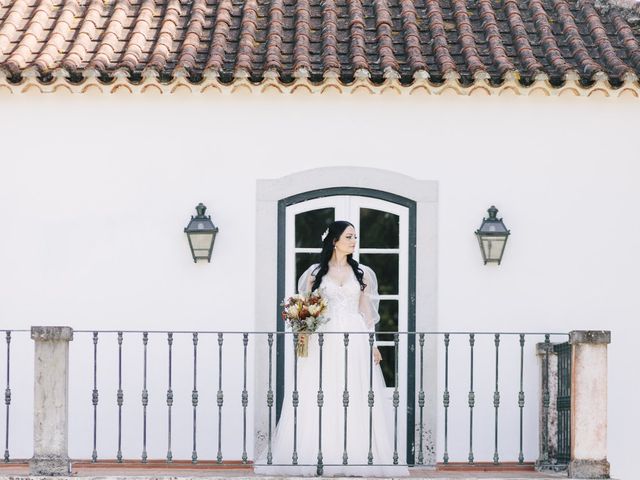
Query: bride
(337, 432)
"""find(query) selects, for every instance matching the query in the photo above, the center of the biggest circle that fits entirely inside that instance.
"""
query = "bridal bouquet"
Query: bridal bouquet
(304, 314)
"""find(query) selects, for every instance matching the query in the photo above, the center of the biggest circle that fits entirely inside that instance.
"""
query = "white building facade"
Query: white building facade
(97, 186)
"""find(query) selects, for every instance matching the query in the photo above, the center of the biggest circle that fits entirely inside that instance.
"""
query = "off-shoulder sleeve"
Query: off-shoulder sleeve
(369, 298)
(306, 279)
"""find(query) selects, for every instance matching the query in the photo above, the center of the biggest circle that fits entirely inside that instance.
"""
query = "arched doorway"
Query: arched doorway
(386, 227)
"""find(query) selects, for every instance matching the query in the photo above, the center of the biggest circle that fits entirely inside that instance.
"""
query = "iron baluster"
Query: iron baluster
(169, 397)
(7, 398)
(145, 397)
(371, 400)
(421, 400)
(245, 399)
(320, 467)
(521, 395)
(496, 402)
(445, 397)
(94, 397)
(120, 398)
(270, 398)
(294, 455)
(472, 398)
(194, 396)
(220, 397)
(396, 400)
(345, 396)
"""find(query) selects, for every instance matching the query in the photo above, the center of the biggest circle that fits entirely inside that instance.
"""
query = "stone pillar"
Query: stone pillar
(548, 408)
(589, 404)
(51, 401)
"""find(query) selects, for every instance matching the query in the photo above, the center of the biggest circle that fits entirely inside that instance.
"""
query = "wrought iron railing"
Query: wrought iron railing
(429, 353)
(23, 398)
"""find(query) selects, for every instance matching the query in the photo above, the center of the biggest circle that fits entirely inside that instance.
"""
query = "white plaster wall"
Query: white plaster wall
(95, 192)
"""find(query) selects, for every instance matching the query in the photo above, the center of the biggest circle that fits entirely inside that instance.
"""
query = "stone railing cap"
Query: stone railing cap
(589, 336)
(51, 333)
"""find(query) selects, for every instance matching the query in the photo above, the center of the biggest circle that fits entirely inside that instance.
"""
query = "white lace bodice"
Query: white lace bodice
(342, 299)
(349, 307)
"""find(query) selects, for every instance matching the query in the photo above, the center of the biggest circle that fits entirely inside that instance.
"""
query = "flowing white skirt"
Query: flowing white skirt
(368, 430)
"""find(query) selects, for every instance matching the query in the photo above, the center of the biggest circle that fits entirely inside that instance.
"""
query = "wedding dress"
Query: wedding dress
(349, 310)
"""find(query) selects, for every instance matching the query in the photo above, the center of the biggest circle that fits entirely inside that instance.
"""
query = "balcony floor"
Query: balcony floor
(158, 470)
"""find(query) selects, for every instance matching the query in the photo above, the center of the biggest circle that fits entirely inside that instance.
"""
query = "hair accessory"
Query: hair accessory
(324, 235)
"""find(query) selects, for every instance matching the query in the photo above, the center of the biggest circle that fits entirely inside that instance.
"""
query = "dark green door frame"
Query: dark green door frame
(411, 321)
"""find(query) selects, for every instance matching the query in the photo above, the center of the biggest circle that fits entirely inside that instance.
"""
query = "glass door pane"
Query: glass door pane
(309, 227)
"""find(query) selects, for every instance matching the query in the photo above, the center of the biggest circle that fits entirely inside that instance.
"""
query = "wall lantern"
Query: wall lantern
(492, 237)
(201, 233)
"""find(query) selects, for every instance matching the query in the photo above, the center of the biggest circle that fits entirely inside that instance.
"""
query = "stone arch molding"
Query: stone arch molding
(269, 192)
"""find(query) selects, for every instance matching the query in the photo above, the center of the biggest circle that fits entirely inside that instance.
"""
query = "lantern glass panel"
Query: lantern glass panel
(201, 241)
(493, 248)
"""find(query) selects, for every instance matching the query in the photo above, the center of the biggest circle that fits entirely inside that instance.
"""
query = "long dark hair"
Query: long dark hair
(333, 234)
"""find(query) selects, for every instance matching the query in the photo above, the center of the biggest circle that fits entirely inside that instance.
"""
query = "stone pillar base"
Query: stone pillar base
(50, 465)
(589, 469)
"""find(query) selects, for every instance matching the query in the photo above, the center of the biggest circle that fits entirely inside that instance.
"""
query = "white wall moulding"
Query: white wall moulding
(51, 401)
(337, 181)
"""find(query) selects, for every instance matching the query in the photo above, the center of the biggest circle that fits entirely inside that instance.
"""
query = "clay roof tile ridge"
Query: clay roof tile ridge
(104, 53)
(570, 30)
(521, 38)
(625, 34)
(273, 58)
(220, 35)
(494, 38)
(138, 36)
(192, 37)
(384, 34)
(85, 34)
(165, 36)
(466, 37)
(411, 35)
(27, 47)
(9, 29)
(54, 45)
(441, 51)
(301, 56)
(330, 59)
(548, 40)
(357, 44)
(248, 26)
(601, 39)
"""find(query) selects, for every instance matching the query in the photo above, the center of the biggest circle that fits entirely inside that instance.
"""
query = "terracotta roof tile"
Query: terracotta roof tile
(248, 27)
(627, 39)
(443, 57)
(358, 51)
(466, 37)
(443, 38)
(301, 38)
(548, 39)
(520, 36)
(330, 58)
(586, 64)
(411, 35)
(275, 35)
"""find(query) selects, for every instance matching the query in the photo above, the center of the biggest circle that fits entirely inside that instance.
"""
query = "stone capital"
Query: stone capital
(590, 337)
(543, 347)
(45, 334)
